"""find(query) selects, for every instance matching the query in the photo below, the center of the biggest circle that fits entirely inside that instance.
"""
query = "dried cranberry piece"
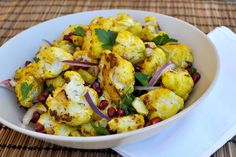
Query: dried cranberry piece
(35, 117)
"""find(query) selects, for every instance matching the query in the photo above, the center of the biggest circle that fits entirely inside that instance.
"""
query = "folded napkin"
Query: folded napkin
(210, 125)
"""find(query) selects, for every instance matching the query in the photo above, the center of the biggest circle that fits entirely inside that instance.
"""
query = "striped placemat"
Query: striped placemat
(18, 15)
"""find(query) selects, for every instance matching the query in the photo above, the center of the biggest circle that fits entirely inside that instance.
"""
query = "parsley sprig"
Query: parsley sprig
(100, 130)
(142, 78)
(108, 38)
(25, 89)
(126, 104)
(36, 59)
(79, 31)
(163, 39)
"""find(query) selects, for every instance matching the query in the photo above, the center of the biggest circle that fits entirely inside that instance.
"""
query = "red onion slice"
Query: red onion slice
(168, 66)
(145, 88)
(7, 84)
(29, 114)
(81, 64)
(95, 108)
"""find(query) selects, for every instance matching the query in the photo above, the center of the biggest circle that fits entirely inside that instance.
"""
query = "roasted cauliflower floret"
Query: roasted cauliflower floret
(87, 77)
(116, 75)
(149, 31)
(75, 34)
(101, 22)
(88, 129)
(178, 54)
(53, 127)
(65, 45)
(83, 56)
(139, 106)
(27, 89)
(179, 81)
(68, 103)
(49, 64)
(30, 69)
(129, 47)
(56, 82)
(154, 61)
(126, 123)
(92, 43)
(162, 103)
(136, 29)
(122, 22)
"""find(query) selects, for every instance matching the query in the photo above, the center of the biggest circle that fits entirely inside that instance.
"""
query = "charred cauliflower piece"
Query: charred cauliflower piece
(27, 89)
(129, 47)
(149, 31)
(49, 64)
(55, 128)
(178, 54)
(70, 33)
(126, 123)
(179, 81)
(162, 103)
(116, 75)
(68, 103)
(65, 45)
(151, 63)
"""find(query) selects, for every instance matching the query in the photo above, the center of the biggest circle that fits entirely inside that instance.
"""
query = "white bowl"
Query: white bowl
(23, 47)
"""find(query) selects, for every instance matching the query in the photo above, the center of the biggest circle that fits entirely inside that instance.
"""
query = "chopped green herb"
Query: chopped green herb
(108, 38)
(79, 31)
(126, 104)
(100, 130)
(192, 70)
(142, 78)
(163, 39)
(25, 89)
(49, 89)
(36, 59)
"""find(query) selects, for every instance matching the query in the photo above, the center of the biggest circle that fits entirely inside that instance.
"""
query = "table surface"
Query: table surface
(16, 16)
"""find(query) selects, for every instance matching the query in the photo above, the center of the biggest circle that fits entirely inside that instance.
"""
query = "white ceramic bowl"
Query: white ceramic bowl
(23, 47)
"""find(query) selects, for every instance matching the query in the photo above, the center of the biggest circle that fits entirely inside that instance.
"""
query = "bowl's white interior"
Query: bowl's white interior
(22, 47)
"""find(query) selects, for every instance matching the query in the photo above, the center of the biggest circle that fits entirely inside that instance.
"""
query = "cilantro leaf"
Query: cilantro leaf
(163, 39)
(108, 38)
(100, 130)
(126, 104)
(79, 31)
(49, 89)
(36, 59)
(192, 71)
(25, 89)
(142, 78)
(107, 46)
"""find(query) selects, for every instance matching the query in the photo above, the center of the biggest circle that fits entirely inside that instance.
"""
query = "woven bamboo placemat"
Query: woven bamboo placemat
(16, 16)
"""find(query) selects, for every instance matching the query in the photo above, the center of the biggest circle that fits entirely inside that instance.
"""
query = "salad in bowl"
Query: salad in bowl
(111, 76)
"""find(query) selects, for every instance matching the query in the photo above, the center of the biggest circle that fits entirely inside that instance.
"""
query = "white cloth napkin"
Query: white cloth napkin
(210, 125)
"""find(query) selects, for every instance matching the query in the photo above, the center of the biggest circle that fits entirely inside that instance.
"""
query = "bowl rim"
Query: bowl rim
(126, 134)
